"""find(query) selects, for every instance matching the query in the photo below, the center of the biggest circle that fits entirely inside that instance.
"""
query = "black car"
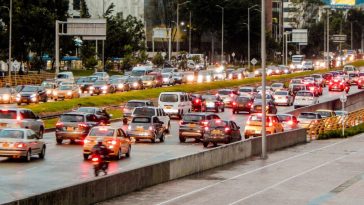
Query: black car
(102, 87)
(31, 94)
(221, 131)
(136, 83)
(120, 84)
(84, 83)
(102, 116)
(193, 125)
(257, 107)
(242, 103)
(212, 102)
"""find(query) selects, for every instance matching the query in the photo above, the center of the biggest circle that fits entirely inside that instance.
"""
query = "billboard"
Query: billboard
(343, 2)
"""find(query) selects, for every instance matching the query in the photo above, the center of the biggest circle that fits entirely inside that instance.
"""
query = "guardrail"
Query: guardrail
(316, 127)
(29, 79)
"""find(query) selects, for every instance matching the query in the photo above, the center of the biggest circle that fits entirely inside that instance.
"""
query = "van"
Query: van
(65, 77)
(175, 103)
(153, 112)
(140, 71)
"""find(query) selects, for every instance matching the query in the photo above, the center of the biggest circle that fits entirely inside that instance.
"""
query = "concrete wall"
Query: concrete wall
(354, 102)
(104, 188)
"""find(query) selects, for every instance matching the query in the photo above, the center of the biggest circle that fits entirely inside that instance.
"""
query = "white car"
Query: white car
(305, 118)
(168, 79)
(277, 86)
(102, 75)
(304, 98)
(153, 112)
(175, 103)
(319, 79)
(283, 97)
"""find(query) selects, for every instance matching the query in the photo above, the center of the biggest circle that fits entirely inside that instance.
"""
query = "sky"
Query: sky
(343, 1)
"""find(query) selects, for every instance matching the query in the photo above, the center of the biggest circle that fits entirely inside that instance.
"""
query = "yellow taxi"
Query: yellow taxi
(254, 125)
(114, 139)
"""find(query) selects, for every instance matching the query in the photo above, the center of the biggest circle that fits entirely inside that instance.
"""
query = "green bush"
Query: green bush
(338, 133)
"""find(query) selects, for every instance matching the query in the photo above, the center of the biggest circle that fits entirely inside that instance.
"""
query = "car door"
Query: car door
(120, 138)
(33, 141)
(42, 93)
(36, 123)
(157, 124)
(235, 132)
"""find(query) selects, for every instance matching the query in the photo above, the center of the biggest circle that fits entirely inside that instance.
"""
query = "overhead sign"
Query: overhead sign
(89, 29)
(299, 36)
(339, 38)
(254, 61)
(160, 33)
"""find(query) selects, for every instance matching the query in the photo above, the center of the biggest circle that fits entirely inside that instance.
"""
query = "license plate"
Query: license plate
(24, 100)
(216, 132)
(140, 129)
(69, 128)
(258, 131)
(192, 125)
(210, 104)
(5, 145)
(167, 107)
(3, 124)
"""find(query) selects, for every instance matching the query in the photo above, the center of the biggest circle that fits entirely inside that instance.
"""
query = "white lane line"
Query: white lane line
(251, 171)
(288, 179)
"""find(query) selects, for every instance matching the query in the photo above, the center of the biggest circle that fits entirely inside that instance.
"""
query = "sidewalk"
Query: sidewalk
(320, 172)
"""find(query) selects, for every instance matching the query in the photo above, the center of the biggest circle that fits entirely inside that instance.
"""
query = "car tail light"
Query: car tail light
(113, 142)
(19, 118)
(234, 103)
(286, 97)
(197, 100)
(206, 128)
(95, 159)
(150, 128)
(227, 129)
(231, 95)
(270, 124)
(205, 123)
(312, 88)
(82, 125)
(59, 124)
(20, 145)
(86, 141)
(290, 122)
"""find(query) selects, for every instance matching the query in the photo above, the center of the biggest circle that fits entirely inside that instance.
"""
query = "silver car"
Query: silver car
(21, 118)
(283, 97)
(21, 143)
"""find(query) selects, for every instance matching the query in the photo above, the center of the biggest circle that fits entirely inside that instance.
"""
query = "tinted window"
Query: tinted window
(225, 92)
(62, 76)
(101, 131)
(193, 118)
(305, 94)
(281, 93)
(284, 118)
(86, 110)
(169, 98)
(13, 134)
(242, 99)
(144, 111)
(30, 89)
(245, 90)
(218, 123)
(209, 97)
(72, 118)
(65, 87)
(141, 120)
(308, 116)
(135, 104)
(7, 114)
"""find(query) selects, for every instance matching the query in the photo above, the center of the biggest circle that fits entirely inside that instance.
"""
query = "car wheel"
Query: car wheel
(120, 155)
(28, 156)
(246, 136)
(85, 156)
(162, 137)
(182, 139)
(205, 144)
(59, 141)
(42, 153)
(128, 153)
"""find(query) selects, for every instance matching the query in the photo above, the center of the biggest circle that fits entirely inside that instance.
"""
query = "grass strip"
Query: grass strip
(351, 131)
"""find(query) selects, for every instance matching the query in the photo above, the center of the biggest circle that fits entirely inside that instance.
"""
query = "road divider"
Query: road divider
(103, 188)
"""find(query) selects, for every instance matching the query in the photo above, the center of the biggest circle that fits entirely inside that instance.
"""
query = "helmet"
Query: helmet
(99, 141)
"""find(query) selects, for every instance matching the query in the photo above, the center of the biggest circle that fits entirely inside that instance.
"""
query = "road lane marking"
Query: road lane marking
(252, 171)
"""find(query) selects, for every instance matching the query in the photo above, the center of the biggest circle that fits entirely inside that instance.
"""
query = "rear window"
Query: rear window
(102, 132)
(296, 81)
(308, 116)
(242, 99)
(30, 89)
(169, 98)
(284, 118)
(135, 104)
(277, 85)
(218, 123)
(62, 76)
(65, 87)
(245, 90)
(7, 114)
(256, 118)
(13, 134)
(86, 110)
(209, 97)
(141, 120)
(281, 93)
(225, 92)
(305, 94)
(192, 118)
(72, 118)
(144, 111)
(324, 113)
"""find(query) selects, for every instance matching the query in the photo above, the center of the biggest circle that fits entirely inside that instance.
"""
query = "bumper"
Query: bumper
(281, 102)
(71, 135)
(216, 138)
(191, 133)
(12, 153)
(140, 135)
(247, 109)
(26, 100)
(336, 88)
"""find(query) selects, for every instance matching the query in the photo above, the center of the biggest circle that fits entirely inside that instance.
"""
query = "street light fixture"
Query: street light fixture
(10, 34)
(177, 39)
(222, 32)
(256, 5)
(264, 102)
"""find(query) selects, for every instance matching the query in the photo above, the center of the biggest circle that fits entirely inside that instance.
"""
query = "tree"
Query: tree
(84, 10)
(158, 60)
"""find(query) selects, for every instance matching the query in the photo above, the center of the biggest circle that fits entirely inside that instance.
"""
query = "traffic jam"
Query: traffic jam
(203, 118)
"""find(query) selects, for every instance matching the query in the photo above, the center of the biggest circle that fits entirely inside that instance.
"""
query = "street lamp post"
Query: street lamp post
(190, 34)
(177, 39)
(10, 9)
(249, 33)
(222, 33)
(263, 58)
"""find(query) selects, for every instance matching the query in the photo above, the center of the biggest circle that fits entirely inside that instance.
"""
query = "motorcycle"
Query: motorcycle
(99, 164)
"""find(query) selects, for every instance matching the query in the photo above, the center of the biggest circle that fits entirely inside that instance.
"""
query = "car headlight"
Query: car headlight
(92, 88)
(49, 92)
(18, 96)
(135, 84)
(256, 72)
(149, 83)
(33, 95)
(69, 93)
(190, 78)
(120, 85)
(104, 87)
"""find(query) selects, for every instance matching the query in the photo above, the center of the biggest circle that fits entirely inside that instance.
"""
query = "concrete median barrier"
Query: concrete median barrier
(114, 185)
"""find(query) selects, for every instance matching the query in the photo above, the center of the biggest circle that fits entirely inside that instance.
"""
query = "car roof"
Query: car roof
(75, 113)
(200, 114)
(139, 101)
(20, 129)
(323, 110)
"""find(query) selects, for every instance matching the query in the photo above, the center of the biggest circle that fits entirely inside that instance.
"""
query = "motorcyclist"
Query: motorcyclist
(103, 152)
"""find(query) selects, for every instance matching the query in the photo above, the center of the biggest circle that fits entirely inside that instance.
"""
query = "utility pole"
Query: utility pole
(263, 58)
(328, 38)
(10, 9)
(57, 47)
(177, 36)
(249, 33)
(222, 33)
(351, 33)
(190, 35)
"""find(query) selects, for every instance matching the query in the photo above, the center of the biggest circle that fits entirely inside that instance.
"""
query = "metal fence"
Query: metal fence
(29, 79)
(317, 127)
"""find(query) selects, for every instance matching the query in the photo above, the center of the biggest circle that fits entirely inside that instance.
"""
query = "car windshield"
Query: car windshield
(298, 87)
(277, 85)
(72, 118)
(305, 94)
(135, 104)
(98, 74)
(259, 96)
(144, 111)
(218, 123)
(225, 92)
(4, 91)
(65, 87)
(165, 75)
(62, 76)
(281, 93)
(101, 131)
(169, 98)
(48, 85)
(308, 116)
(324, 113)
(316, 76)
(86, 110)
(146, 77)
(7, 114)
(209, 97)
(353, 75)
(167, 70)
(82, 80)
(349, 69)
(117, 80)
(192, 118)
(138, 72)
(284, 118)
(133, 79)
(13, 134)
(100, 82)
(30, 89)
(242, 99)
(141, 120)
(245, 90)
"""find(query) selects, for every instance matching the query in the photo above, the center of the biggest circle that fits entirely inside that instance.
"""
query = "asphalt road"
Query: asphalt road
(318, 173)
(64, 165)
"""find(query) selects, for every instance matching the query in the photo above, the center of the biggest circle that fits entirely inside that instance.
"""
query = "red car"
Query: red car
(339, 84)
(361, 83)
(314, 88)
